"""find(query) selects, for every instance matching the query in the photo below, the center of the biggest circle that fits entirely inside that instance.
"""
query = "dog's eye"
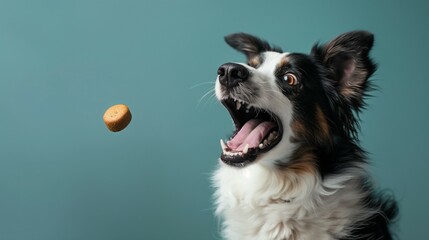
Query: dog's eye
(290, 79)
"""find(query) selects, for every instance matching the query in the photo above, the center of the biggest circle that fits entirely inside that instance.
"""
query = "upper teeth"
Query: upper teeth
(238, 104)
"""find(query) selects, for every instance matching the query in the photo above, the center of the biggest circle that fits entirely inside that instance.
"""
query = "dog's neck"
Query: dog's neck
(256, 204)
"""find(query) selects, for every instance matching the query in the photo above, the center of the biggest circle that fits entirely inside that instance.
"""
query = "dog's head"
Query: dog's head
(281, 101)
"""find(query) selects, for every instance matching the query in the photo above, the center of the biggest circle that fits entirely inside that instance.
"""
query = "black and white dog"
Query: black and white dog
(293, 168)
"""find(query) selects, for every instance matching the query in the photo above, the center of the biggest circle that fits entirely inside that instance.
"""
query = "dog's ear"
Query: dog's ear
(348, 64)
(250, 45)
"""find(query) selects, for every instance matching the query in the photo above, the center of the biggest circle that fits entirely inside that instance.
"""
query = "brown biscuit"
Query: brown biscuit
(117, 117)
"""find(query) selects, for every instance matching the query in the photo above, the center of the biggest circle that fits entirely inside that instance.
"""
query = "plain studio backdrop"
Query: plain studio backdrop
(63, 175)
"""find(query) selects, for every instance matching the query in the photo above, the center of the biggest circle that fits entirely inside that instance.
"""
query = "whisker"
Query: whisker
(202, 83)
(211, 97)
(211, 91)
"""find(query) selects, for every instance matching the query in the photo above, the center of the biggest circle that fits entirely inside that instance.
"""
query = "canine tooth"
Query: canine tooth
(261, 145)
(246, 149)
(238, 105)
(222, 144)
(271, 136)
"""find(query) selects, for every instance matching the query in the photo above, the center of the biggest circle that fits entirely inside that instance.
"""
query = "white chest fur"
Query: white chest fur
(257, 203)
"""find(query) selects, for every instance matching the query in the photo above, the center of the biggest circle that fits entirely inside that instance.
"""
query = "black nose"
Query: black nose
(230, 74)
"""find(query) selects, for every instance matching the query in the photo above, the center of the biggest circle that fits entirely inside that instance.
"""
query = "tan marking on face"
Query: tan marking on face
(298, 129)
(323, 123)
(255, 61)
(282, 62)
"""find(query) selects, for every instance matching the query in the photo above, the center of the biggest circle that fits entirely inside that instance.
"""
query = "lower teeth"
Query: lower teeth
(273, 135)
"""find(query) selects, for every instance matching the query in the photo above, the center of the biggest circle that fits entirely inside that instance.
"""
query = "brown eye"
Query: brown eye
(290, 79)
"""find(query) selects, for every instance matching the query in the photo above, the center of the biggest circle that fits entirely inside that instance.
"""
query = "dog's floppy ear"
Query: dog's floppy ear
(250, 45)
(348, 64)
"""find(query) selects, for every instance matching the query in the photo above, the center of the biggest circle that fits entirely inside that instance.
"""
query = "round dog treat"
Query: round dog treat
(117, 117)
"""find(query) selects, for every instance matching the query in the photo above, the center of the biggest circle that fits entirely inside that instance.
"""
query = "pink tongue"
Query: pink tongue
(252, 133)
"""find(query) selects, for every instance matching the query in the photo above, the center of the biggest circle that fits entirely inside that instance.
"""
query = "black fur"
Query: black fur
(249, 45)
(323, 83)
(377, 226)
(348, 47)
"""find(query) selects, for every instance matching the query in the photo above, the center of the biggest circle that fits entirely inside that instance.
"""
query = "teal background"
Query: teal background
(63, 175)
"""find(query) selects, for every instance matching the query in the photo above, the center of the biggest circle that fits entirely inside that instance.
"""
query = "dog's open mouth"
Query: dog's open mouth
(256, 131)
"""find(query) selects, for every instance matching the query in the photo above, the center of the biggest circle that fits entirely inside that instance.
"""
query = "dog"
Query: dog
(293, 168)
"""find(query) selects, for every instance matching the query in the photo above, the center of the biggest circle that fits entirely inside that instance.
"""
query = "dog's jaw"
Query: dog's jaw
(262, 92)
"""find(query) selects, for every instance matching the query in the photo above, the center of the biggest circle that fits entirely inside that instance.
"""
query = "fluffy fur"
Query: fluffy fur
(310, 182)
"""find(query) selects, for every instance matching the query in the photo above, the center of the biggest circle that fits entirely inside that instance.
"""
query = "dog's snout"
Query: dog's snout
(230, 74)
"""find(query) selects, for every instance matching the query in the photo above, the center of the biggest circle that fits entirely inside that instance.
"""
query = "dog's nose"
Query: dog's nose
(230, 74)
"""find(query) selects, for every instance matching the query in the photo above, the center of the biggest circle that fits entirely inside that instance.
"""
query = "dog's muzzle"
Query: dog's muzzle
(257, 130)
(231, 74)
